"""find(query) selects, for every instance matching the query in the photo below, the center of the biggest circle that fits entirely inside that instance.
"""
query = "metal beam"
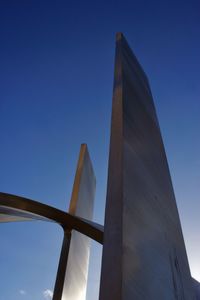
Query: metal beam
(23, 209)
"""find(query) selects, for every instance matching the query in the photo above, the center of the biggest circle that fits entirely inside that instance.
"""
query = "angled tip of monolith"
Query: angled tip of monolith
(119, 36)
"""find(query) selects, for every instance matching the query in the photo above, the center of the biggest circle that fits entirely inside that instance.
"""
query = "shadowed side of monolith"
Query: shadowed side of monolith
(144, 255)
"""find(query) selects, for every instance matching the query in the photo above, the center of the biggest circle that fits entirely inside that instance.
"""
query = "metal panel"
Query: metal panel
(76, 247)
(144, 254)
(9, 214)
(14, 209)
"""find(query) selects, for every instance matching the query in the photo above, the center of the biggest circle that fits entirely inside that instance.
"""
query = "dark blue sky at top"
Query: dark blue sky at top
(56, 75)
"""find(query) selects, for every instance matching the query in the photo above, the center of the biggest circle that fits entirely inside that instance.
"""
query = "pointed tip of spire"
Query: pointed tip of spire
(119, 36)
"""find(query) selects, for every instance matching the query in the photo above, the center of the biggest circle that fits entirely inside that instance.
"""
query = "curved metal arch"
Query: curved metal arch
(16, 208)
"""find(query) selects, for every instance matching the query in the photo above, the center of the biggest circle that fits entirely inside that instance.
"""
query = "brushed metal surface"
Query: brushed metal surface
(72, 274)
(9, 214)
(144, 256)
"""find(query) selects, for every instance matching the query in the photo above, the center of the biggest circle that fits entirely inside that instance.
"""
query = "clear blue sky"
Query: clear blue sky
(56, 78)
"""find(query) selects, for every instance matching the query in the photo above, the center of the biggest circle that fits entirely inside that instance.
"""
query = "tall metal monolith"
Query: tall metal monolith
(144, 256)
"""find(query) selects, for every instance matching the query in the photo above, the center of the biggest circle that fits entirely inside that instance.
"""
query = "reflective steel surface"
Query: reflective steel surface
(144, 256)
(9, 214)
(76, 246)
